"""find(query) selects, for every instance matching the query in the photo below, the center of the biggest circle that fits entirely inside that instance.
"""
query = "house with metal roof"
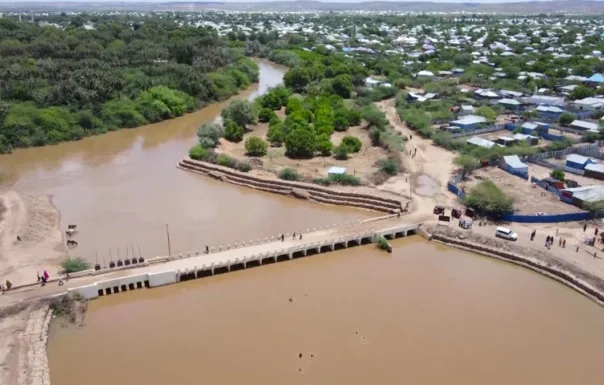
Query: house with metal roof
(509, 104)
(582, 196)
(585, 126)
(531, 140)
(578, 162)
(595, 170)
(480, 142)
(469, 122)
(589, 104)
(595, 79)
(513, 164)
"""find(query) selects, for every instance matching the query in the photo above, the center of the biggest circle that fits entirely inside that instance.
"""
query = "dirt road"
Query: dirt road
(429, 167)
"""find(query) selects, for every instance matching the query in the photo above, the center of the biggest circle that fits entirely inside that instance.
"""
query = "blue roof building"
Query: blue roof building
(469, 122)
(578, 161)
(596, 79)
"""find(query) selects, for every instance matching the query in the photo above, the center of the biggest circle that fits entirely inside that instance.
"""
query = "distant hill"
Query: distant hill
(556, 6)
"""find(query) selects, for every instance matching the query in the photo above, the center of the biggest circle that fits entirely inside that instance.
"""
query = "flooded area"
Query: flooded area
(426, 314)
(123, 188)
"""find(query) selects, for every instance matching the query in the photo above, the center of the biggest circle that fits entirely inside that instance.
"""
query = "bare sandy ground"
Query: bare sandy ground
(23, 337)
(429, 170)
(34, 218)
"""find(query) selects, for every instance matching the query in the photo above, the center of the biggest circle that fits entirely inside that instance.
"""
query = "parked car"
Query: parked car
(505, 233)
(439, 210)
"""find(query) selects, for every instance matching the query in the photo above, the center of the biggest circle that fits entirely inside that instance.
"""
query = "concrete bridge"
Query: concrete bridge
(116, 281)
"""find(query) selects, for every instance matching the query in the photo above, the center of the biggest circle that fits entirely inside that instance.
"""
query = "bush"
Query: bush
(558, 174)
(73, 265)
(225, 161)
(374, 135)
(341, 152)
(233, 132)
(324, 145)
(566, 118)
(354, 117)
(240, 111)
(276, 133)
(289, 174)
(209, 134)
(198, 152)
(487, 198)
(344, 179)
(389, 166)
(353, 143)
(486, 112)
(382, 243)
(266, 115)
(254, 146)
(243, 166)
(300, 143)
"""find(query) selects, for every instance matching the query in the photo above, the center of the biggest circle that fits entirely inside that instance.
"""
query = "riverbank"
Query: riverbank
(359, 197)
(543, 262)
(23, 338)
(35, 220)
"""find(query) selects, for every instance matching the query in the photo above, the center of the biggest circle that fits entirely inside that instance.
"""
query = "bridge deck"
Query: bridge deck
(222, 258)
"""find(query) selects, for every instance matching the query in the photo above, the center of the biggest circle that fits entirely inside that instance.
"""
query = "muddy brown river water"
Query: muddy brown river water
(122, 188)
(425, 314)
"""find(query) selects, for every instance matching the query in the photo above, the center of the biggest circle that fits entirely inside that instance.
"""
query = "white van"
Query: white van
(506, 233)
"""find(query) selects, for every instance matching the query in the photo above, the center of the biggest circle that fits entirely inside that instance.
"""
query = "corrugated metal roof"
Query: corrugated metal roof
(585, 125)
(478, 141)
(579, 159)
(595, 167)
(469, 119)
(514, 162)
(587, 193)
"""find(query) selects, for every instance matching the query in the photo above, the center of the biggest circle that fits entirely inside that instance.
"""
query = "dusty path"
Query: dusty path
(430, 169)
(35, 220)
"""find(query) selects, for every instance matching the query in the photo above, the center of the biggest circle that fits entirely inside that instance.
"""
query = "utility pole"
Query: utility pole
(168, 235)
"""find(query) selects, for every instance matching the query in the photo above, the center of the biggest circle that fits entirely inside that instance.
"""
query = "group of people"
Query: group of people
(549, 241)
(293, 236)
(43, 278)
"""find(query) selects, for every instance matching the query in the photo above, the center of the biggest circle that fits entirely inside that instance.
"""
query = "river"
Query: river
(123, 188)
(426, 314)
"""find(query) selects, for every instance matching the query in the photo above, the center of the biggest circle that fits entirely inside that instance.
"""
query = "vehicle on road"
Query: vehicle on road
(505, 233)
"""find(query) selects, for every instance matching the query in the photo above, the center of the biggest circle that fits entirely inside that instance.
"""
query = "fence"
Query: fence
(570, 217)
(486, 130)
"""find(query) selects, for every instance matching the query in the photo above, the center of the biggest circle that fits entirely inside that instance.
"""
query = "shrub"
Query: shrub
(198, 152)
(566, 118)
(354, 117)
(374, 135)
(389, 166)
(289, 174)
(73, 265)
(300, 143)
(382, 243)
(243, 166)
(209, 134)
(344, 179)
(254, 146)
(240, 111)
(233, 132)
(276, 133)
(225, 161)
(487, 198)
(341, 152)
(558, 174)
(353, 143)
(266, 115)
(324, 145)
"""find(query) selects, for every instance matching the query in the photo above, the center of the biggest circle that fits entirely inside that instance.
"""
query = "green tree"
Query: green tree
(276, 134)
(254, 146)
(198, 152)
(241, 112)
(300, 143)
(324, 145)
(296, 79)
(266, 115)
(558, 174)
(209, 134)
(467, 163)
(232, 131)
(488, 199)
(582, 92)
(486, 112)
(374, 117)
(566, 118)
(342, 86)
(341, 152)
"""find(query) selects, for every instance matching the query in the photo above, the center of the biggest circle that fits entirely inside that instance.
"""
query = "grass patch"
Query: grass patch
(73, 265)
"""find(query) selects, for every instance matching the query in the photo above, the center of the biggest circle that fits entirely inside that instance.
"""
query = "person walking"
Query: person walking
(596, 232)
(294, 236)
(584, 227)
(39, 278)
(556, 232)
(282, 237)
(300, 235)
(564, 243)
(207, 250)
